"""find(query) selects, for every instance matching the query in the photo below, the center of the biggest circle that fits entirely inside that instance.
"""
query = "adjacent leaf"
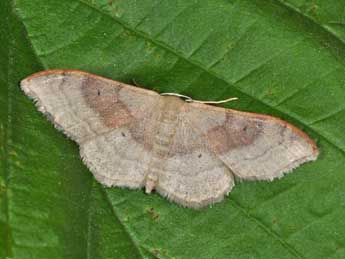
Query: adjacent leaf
(284, 58)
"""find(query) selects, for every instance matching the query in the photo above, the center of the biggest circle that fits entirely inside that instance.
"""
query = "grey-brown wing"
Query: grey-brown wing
(253, 146)
(111, 121)
(191, 174)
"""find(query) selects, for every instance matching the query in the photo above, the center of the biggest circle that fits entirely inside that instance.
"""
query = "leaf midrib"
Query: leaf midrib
(127, 231)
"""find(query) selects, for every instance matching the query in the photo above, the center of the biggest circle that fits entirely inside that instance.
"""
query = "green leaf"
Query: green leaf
(285, 58)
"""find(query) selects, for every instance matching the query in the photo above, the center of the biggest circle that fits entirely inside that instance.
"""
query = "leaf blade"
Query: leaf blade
(274, 59)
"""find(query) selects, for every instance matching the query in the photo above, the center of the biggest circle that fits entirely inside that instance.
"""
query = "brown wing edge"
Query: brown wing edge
(267, 117)
(38, 103)
(84, 73)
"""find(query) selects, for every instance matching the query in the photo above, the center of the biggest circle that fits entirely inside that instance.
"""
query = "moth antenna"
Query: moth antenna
(190, 100)
(184, 97)
(217, 102)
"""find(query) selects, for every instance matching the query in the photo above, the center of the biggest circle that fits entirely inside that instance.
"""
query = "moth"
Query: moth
(190, 153)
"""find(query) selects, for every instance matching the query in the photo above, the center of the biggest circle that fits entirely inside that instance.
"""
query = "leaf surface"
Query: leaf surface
(284, 58)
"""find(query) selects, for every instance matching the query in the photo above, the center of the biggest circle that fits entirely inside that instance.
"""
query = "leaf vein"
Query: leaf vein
(114, 212)
(271, 233)
(332, 114)
(277, 54)
(323, 27)
(294, 93)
